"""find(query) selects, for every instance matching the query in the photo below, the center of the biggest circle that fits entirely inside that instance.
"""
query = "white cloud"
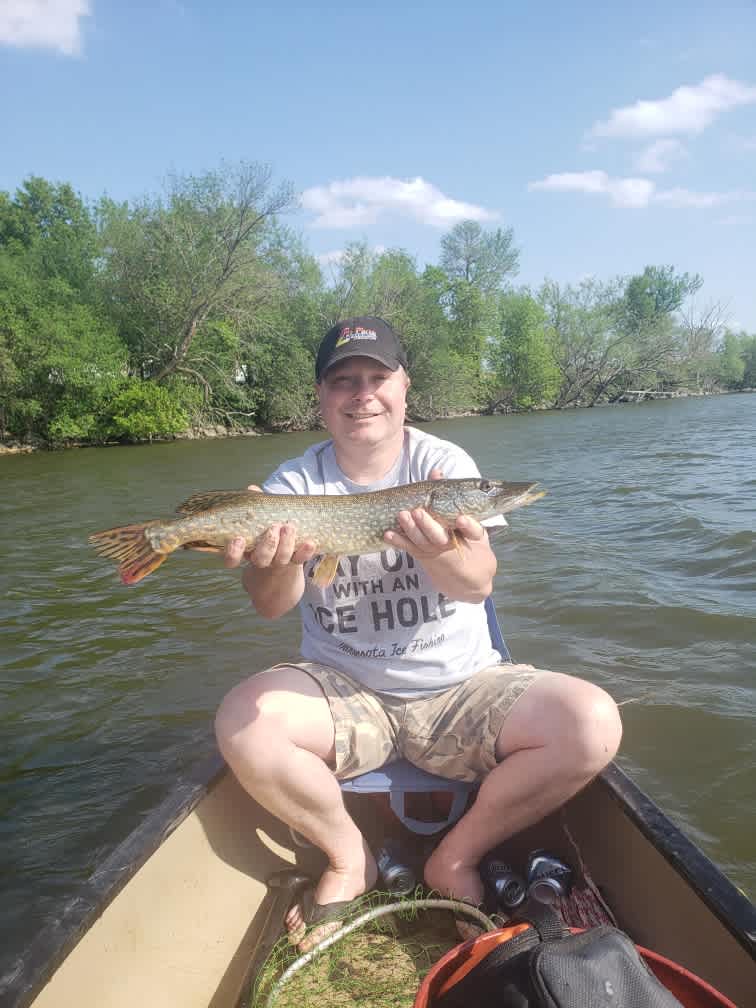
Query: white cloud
(689, 109)
(49, 24)
(623, 192)
(636, 193)
(659, 156)
(351, 203)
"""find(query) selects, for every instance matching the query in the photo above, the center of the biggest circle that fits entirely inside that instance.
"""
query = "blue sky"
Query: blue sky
(608, 136)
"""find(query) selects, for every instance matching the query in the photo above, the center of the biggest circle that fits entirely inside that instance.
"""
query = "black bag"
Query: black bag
(547, 967)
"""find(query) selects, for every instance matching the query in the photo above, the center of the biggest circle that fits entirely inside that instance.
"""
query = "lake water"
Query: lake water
(637, 571)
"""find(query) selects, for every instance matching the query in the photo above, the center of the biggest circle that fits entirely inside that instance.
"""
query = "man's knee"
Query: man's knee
(592, 728)
(274, 710)
(579, 720)
(242, 726)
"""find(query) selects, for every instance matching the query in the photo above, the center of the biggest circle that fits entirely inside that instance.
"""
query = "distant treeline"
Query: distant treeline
(124, 321)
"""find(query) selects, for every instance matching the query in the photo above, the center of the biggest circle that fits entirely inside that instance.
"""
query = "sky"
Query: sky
(608, 136)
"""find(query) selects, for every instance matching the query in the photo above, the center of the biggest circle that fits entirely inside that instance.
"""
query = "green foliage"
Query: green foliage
(736, 360)
(57, 356)
(522, 354)
(54, 231)
(457, 387)
(197, 306)
(655, 294)
(145, 410)
(175, 264)
(748, 352)
(481, 258)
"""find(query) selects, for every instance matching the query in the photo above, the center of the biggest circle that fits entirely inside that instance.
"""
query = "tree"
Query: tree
(482, 258)
(588, 347)
(50, 225)
(174, 265)
(730, 361)
(658, 292)
(700, 332)
(59, 355)
(522, 354)
(58, 359)
(748, 353)
(144, 410)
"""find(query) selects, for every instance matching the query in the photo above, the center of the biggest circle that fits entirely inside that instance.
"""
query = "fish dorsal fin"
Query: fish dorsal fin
(215, 498)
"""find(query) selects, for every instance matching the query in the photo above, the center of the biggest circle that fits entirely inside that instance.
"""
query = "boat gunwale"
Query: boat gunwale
(37, 964)
(728, 903)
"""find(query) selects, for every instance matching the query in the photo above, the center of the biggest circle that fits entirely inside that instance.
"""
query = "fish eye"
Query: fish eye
(484, 486)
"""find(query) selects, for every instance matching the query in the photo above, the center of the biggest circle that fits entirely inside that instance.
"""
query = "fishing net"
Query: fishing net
(379, 966)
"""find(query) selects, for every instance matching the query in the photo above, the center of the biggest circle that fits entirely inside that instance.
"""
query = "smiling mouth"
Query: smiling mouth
(362, 416)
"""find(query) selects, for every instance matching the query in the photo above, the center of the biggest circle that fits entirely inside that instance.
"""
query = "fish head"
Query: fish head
(479, 498)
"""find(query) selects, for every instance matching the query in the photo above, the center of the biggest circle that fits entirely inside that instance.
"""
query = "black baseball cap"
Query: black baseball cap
(364, 336)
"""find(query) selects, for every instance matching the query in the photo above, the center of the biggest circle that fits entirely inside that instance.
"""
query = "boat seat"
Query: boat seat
(402, 777)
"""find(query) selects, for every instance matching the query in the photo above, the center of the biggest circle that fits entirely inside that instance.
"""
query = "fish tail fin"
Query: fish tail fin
(129, 546)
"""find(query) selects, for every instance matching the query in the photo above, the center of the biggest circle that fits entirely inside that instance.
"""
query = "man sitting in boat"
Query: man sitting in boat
(396, 659)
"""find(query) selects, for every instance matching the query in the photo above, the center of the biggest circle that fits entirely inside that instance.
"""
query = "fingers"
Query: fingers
(419, 533)
(234, 552)
(470, 528)
(436, 474)
(276, 547)
(422, 535)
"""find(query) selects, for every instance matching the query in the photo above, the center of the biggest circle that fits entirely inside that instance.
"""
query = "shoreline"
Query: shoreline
(14, 446)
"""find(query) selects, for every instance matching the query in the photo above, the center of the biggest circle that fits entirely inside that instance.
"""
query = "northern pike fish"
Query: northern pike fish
(338, 524)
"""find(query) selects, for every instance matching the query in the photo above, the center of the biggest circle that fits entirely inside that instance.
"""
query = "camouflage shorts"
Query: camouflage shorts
(452, 733)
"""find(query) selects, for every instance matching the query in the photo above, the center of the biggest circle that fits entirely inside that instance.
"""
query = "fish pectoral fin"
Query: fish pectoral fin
(214, 498)
(325, 570)
(202, 547)
(456, 541)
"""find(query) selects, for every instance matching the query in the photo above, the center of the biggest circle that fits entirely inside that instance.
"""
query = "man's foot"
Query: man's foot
(329, 901)
(456, 880)
(453, 878)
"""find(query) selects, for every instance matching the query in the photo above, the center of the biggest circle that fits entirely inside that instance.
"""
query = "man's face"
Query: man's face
(362, 401)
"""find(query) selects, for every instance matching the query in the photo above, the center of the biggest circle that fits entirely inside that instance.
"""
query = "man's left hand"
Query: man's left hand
(425, 538)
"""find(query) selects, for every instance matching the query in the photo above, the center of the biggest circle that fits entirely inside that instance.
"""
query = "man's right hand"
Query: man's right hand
(274, 548)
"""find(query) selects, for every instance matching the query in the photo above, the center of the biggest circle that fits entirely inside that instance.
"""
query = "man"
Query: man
(396, 659)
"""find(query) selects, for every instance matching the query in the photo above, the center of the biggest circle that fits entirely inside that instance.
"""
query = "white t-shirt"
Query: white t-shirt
(382, 621)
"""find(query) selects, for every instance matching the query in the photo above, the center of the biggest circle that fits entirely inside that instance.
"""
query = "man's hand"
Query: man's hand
(274, 548)
(425, 538)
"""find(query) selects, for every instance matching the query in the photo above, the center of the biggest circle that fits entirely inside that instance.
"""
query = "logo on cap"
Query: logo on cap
(348, 334)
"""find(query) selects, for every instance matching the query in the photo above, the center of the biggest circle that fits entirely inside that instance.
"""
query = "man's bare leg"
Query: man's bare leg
(276, 733)
(558, 736)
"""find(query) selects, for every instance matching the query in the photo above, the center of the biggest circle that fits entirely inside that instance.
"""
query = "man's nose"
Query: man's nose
(361, 387)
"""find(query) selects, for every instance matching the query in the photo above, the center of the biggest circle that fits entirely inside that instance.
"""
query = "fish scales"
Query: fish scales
(342, 524)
